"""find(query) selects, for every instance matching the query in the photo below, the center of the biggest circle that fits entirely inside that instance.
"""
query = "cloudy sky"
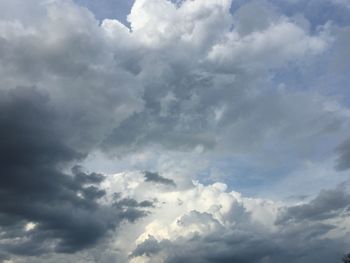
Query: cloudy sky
(151, 131)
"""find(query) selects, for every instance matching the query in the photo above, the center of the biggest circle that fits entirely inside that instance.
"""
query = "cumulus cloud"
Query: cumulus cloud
(196, 90)
(211, 224)
(214, 93)
(229, 227)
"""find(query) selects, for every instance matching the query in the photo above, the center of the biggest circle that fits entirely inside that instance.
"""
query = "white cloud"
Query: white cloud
(202, 213)
(271, 47)
(194, 23)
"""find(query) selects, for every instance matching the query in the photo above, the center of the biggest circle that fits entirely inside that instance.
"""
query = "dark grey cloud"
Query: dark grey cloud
(346, 258)
(35, 186)
(129, 202)
(149, 247)
(242, 246)
(328, 204)
(156, 178)
(47, 129)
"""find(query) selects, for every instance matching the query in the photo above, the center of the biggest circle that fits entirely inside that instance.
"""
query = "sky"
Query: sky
(158, 131)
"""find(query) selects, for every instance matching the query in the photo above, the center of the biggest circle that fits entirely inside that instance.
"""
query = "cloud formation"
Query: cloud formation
(45, 208)
(228, 227)
(251, 93)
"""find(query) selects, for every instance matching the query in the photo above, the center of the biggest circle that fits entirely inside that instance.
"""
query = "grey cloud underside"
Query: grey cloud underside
(328, 204)
(301, 240)
(35, 188)
(241, 248)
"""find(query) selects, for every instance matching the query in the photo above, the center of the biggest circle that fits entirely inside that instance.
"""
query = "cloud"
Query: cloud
(328, 204)
(65, 55)
(240, 248)
(156, 178)
(212, 224)
(63, 208)
(215, 225)
(285, 39)
(196, 90)
(343, 150)
(148, 248)
(220, 235)
(215, 94)
(49, 129)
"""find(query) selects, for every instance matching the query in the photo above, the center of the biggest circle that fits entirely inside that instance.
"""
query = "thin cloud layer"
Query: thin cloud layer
(212, 95)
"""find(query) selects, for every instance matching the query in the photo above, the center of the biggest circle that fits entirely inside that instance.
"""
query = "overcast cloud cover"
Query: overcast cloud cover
(174, 131)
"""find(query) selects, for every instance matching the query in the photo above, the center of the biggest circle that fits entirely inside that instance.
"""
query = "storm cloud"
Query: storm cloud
(37, 188)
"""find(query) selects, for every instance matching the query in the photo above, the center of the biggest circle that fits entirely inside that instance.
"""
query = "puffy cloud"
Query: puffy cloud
(278, 43)
(223, 227)
(190, 85)
(194, 23)
(68, 54)
(200, 99)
